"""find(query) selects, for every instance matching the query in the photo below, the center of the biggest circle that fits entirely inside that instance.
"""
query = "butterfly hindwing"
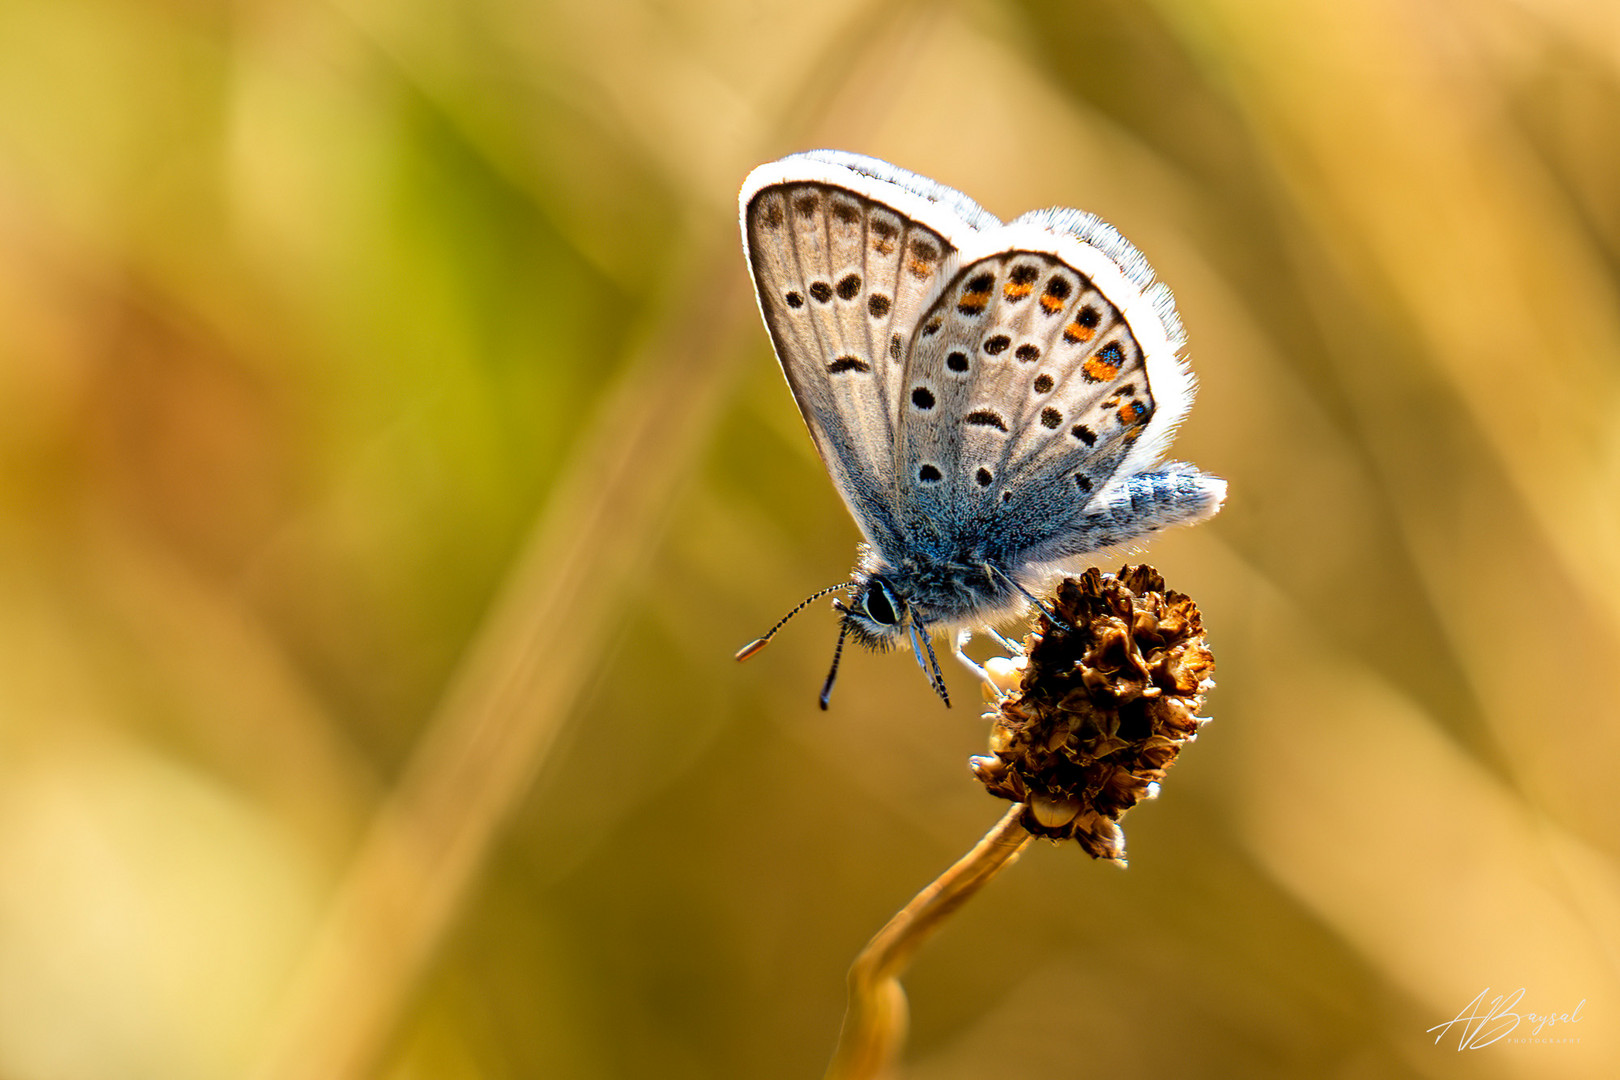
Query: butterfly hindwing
(1025, 389)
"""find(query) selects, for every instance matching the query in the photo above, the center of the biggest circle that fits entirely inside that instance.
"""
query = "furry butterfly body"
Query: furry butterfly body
(991, 400)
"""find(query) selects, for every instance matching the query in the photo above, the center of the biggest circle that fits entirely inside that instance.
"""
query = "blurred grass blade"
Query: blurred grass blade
(516, 688)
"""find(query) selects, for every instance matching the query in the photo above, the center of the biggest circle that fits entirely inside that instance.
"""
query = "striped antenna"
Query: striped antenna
(760, 642)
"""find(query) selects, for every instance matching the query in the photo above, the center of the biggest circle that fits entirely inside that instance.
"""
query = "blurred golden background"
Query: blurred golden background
(392, 458)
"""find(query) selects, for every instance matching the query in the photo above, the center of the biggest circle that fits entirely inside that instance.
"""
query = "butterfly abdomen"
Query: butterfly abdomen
(1132, 509)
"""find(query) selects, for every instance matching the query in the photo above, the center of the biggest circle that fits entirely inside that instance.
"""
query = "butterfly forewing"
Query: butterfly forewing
(1020, 405)
(842, 280)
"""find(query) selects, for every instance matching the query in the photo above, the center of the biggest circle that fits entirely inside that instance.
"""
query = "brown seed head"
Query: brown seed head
(1102, 709)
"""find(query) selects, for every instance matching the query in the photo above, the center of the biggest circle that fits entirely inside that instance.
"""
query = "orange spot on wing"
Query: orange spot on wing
(1075, 332)
(1016, 290)
(1098, 370)
(973, 302)
(1132, 413)
(1051, 304)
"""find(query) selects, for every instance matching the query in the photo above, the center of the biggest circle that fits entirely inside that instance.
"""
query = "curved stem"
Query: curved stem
(875, 1022)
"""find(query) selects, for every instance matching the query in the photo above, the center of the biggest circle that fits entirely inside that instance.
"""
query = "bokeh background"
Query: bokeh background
(391, 459)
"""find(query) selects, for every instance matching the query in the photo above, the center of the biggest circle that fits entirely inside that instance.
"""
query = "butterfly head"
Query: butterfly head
(876, 615)
(879, 615)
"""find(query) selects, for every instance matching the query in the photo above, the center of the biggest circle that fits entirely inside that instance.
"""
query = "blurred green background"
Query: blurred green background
(392, 458)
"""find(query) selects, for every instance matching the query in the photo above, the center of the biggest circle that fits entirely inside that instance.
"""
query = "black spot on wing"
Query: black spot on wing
(1056, 294)
(1084, 324)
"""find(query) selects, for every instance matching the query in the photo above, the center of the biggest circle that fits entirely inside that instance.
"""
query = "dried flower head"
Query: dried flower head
(1102, 709)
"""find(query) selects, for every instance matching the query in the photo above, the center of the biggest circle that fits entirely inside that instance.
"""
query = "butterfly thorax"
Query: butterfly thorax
(926, 592)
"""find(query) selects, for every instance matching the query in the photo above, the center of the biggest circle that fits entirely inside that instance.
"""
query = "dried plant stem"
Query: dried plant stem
(875, 1023)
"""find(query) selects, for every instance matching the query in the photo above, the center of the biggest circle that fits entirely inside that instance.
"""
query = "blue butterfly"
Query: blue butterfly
(991, 400)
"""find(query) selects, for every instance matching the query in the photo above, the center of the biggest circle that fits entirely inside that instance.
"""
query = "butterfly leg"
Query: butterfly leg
(1014, 647)
(962, 638)
(930, 667)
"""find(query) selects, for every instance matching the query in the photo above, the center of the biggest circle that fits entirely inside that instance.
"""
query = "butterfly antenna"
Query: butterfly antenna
(838, 652)
(760, 642)
(1044, 610)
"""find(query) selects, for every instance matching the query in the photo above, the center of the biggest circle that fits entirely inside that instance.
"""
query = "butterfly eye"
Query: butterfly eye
(880, 605)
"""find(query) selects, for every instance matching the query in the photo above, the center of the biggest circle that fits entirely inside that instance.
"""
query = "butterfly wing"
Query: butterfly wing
(846, 252)
(1043, 379)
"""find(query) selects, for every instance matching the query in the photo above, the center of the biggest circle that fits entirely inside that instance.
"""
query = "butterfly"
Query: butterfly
(991, 399)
